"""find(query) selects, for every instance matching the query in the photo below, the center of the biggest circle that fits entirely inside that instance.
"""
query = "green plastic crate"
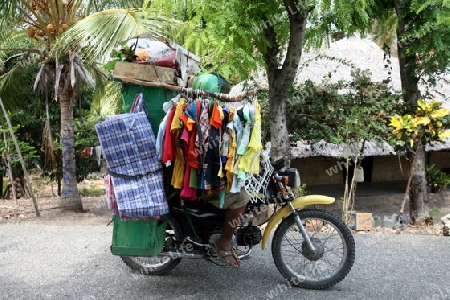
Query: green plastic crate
(138, 237)
(154, 98)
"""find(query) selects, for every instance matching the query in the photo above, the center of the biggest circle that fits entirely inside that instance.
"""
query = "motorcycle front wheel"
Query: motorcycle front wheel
(158, 265)
(322, 268)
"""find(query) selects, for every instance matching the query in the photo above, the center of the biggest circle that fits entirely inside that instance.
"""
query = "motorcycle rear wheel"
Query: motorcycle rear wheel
(323, 268)
(157, 265)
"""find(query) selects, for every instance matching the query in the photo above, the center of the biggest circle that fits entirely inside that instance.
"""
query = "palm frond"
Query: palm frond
(58, 71)
(98, 34)
(9, 11)
(84, 74)
(89, 74)
(107, 100)
(13, 41)
(96, 5)
(14, 83)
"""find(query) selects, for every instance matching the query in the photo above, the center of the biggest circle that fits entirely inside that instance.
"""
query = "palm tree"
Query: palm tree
(56, 42)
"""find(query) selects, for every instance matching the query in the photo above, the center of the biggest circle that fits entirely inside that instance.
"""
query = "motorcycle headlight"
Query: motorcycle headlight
(292, 176)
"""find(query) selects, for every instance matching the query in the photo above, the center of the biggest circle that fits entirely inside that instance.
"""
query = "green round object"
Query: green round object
(212, 83)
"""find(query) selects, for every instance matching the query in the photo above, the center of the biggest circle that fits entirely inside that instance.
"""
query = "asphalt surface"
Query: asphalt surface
(74, 262)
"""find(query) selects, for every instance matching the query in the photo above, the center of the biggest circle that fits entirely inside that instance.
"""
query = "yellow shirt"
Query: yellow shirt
(231, 149)
(179, 165)
(249, 162)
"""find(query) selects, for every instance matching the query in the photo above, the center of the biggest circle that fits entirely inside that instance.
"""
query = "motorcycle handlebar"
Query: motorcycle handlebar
(279, 163)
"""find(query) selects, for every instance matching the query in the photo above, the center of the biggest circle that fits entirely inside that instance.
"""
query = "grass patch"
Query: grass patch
(5, 184)
(91, 191)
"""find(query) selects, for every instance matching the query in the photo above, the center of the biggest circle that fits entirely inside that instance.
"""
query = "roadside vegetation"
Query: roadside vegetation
(53, 85)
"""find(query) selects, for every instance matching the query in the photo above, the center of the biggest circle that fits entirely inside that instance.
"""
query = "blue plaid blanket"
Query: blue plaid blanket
(128, 145)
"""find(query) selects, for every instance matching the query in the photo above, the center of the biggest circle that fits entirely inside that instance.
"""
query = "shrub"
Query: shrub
(436, 179)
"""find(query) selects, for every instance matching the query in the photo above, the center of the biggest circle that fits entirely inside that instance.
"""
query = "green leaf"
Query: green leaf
(110, 65)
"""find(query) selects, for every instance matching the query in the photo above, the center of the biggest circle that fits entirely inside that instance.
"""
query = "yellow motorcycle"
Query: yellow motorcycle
(311, 248)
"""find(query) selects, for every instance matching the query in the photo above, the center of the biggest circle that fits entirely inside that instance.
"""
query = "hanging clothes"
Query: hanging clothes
(216, 146)
(231, 148)
(192, 112)
(167, 107)
(202, 140)
(175, 132)
(187, 192)
(169, 142)
(249, 162)
(212, 157)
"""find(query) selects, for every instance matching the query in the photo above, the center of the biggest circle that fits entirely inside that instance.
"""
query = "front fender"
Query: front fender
(298, 203)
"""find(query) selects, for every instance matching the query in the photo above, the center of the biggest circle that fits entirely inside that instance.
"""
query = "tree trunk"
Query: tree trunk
(9, 165)
(418, 204)
(70, 199)
(278, 128)
(281, 79)
(418, 196)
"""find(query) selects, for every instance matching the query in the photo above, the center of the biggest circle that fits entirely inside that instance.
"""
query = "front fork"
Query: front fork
(302, 228)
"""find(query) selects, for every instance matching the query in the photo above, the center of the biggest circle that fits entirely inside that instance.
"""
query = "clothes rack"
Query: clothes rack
(223, 97)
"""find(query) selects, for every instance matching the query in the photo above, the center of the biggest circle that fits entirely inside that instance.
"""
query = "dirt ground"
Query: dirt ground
(97, 214)
(96, 211)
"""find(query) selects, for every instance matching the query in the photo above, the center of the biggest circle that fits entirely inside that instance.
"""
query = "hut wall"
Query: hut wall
(387, 168)
(440, 159)
(328, 170)
(319, 170)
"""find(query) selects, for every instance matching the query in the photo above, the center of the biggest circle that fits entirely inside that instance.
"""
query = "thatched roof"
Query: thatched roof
(364, 54)
(303, 149)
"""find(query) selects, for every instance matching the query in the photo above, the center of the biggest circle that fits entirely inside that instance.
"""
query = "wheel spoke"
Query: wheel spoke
(328, 263)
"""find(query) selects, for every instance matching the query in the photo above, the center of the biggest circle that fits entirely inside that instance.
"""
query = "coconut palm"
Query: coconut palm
(55, 43)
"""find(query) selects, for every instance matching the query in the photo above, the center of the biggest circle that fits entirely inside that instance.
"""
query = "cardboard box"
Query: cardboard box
(144, 72)
(360, 221)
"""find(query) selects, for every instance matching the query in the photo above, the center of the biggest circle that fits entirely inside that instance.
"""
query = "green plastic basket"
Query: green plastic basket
(154, 97)
(138, 237)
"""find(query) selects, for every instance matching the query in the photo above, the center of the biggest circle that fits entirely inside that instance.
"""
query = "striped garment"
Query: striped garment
(128, 144)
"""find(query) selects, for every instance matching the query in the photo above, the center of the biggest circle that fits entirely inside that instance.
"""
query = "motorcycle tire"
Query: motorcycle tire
(320, 269)
(157, 265)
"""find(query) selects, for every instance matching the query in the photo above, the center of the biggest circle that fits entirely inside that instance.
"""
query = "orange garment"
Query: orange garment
(185, 119)
(216, 116)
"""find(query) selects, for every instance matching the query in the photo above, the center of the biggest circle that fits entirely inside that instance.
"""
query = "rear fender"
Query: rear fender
(298, 203)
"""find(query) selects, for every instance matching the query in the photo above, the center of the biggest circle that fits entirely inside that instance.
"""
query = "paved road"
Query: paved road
(74, 262)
